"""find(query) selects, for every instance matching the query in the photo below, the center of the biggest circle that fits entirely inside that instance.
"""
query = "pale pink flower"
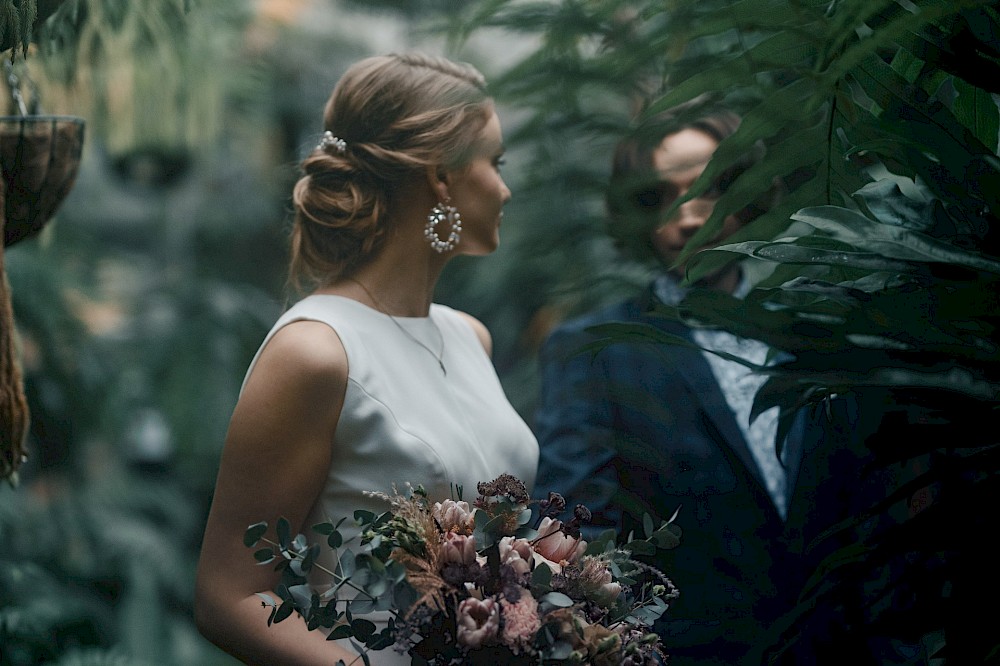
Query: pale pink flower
(520, 621)
(554, 545)
(515, 552)
(609, 592)
(454, 516)
(596, 578)
(478, 621)
(458, 549)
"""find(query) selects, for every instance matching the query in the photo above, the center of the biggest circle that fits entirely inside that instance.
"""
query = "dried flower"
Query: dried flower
(507, 486)
(594, 644)
(602, 644)
(553, 505)
(478, 621)
(597, 582)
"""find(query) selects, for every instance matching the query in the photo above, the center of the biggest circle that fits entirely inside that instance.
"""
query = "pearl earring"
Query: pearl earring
(443, 212)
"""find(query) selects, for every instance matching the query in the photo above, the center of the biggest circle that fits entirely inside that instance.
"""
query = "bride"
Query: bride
(366, 384)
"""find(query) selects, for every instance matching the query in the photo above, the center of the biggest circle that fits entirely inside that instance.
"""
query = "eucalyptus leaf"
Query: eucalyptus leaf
(267, 599)
(324, 528)
(362, 629)
(363, 517)
(339, 632)
(541, 577)
(641, 548)
(264, 555)
(284, 530)
(557, 599)
(347, 566)
(524, 518)
(362, 575)
(403, 595)
(378, 587)
(525, 532)
(385, 599)
(301, 595)
(647, 524)
(361, 607)
(380, 641)
(284, 610)
(395, 571)
(667, 537)
(253, 534)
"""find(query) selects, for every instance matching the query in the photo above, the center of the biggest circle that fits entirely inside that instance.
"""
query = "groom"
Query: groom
(641, 428)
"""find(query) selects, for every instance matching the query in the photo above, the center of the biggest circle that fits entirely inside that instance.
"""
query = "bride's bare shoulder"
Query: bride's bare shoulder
(480, 330)
(309, 349)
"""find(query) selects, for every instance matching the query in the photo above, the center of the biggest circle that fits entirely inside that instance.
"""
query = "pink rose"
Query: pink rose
(516, 553)
(458, 549)
(478, 621)
(554, 545)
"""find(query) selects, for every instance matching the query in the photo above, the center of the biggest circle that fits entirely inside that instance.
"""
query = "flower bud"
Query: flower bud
(458, 549)
(516, 553)
(478, 621)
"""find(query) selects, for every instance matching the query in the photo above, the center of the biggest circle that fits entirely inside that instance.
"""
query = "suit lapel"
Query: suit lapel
(792, 455)
(692, 366)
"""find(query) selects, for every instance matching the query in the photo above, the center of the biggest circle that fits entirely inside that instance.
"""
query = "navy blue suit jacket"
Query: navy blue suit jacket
(642, 428)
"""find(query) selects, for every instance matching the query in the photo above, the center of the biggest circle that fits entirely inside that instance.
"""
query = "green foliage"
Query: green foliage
(878, 266)
(138, 309)
(99, 574)
(137, 70)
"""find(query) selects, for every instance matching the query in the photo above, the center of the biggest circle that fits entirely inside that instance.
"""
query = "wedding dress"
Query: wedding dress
(408, 420)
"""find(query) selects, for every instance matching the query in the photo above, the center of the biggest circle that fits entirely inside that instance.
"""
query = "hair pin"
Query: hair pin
(329, 140)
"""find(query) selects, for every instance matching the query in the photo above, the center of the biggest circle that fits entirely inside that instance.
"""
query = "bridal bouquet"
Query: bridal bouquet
(503, 580)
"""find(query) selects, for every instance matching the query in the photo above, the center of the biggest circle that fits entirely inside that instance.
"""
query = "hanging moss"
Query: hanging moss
(17, 19)
(137, 71)
(14, 416)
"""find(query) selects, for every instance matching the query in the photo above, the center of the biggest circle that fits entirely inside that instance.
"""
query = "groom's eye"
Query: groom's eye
(654, 198)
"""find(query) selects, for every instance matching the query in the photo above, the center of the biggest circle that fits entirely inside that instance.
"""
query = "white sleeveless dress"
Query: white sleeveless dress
(406, 421)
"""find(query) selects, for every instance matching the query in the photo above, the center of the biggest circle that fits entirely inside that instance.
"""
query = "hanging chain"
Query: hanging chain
(15, 82)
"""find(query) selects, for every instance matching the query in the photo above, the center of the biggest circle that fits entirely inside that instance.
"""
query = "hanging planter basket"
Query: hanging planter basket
(39, 160)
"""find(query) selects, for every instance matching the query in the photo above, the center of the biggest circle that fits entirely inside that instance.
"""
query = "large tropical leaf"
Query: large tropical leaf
(878, 268)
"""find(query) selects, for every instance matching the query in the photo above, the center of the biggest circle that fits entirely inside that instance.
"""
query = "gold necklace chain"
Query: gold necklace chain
(437, 357)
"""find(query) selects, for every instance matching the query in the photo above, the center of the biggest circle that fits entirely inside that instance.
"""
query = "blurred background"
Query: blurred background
(140, 303)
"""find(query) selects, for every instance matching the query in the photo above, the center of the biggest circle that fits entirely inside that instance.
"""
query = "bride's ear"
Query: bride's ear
(437, 179)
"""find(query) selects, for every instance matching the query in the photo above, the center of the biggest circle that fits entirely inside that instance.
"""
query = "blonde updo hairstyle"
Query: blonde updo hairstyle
(397, 115)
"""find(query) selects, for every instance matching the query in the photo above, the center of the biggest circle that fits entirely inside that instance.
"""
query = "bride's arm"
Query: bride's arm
(275, 460)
